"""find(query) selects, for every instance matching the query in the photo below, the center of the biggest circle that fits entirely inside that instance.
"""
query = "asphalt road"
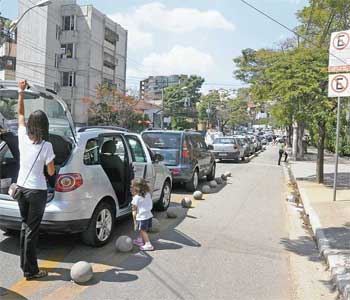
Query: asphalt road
(228, 246)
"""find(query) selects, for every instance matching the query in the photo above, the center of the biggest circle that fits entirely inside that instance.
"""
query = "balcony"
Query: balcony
(68, 64)
(69, 36)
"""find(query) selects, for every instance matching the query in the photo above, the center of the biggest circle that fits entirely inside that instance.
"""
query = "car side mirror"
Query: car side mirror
(158, 157)
(210, 147)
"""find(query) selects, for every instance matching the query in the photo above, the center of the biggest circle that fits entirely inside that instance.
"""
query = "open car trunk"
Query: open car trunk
(62, 132)
(9, 159)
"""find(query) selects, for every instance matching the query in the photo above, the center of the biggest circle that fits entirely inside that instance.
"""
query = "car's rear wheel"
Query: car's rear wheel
(192, 185)
(211, 175)
(101, 226)
(165, 197)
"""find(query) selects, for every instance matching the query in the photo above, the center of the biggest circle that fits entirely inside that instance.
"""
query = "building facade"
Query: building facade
(71, 49)
(7, 51)
(151, 88)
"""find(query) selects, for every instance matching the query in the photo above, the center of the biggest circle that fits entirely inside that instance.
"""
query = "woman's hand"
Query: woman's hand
(22, 85)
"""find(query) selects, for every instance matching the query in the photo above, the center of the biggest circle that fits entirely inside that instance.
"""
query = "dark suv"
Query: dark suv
(185, 154)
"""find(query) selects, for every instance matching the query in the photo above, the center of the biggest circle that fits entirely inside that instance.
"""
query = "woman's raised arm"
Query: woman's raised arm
(21, 87)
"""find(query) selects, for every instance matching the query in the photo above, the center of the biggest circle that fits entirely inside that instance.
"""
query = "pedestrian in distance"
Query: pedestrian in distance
(282, 149)
(31, 190)
(142, 205)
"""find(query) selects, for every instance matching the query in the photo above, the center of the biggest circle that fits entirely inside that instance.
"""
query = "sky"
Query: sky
(191, 37)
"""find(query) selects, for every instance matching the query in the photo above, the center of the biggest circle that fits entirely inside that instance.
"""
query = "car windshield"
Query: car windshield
(224, 141)
(165, 143)
(58, 121)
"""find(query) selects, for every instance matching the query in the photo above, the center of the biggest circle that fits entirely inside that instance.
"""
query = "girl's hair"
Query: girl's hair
(38, 127)
(140, 187)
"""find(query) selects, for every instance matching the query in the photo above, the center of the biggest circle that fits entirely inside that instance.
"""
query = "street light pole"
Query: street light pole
(162, 113)
(41, 3)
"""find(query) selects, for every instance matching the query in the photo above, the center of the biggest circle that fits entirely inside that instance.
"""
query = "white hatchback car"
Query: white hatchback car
(94, 168)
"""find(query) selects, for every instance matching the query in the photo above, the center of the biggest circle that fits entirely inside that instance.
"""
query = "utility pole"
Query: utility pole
(162, 112)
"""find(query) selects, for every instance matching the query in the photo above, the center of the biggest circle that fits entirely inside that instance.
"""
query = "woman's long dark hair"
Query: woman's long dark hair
(38, 127)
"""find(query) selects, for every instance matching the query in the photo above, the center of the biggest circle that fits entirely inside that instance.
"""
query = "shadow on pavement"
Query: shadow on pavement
(111, 265)
(343, 180)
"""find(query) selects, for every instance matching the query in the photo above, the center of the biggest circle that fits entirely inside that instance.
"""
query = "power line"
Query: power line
(289, 29)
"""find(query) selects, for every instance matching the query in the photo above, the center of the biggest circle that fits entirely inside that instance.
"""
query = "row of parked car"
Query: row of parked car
(94, 167)
(237, 147)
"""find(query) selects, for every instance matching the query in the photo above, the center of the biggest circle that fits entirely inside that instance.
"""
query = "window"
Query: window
(197, 141)
(68, 23)
(138, 155)
(119, 149)
(67, 50)
(91, 156)
(58, 32)
(68, 78)
(111, 36)
(108, 65)
(57, 60)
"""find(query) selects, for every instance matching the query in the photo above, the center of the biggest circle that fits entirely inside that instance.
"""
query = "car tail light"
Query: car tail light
(175, 171)
(185, 151)
(68, 182)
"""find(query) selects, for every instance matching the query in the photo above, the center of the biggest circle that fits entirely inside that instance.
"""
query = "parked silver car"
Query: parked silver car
(94, 168)
(228, 148)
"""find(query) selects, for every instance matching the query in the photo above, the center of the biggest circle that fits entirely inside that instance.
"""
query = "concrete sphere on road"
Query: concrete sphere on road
(206, 189)
(155, 226)
(198, 195)
(228, 174)
(124, 244)
(81, 272)
(219, 180)
(223, 177)
(172, 212)
(213, 184)
(186, 202)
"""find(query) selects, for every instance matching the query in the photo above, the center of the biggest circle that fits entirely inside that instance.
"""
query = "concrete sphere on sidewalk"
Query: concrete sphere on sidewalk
(223, 177)
(172, 212)
(198, 195)
(186, 202)
(124, 244)
(81, 272)
(213, 184)
(206, 189)
(219, 180)
(228, 174)
(155, 226)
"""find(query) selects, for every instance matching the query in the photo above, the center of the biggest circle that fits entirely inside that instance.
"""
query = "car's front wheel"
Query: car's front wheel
(101, 226)
(192, 185)
(164, 201)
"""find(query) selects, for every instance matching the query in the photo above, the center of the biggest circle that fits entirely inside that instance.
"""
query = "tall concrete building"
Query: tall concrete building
(152, 87)
(71, 48)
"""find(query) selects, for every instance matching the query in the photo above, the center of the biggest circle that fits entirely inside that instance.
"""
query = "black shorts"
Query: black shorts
(144, 224)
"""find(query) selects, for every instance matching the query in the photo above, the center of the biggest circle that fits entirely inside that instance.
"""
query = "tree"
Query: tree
(180, 102)
(113, 108)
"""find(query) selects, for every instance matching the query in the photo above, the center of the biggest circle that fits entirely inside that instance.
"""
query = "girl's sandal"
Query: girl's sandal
(41, 274)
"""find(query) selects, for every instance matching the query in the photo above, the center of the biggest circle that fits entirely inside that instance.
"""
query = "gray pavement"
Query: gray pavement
(229, 246)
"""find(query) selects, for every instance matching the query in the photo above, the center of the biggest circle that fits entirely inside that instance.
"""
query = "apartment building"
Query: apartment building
(7, 51)
(71, 49)
(151, 88)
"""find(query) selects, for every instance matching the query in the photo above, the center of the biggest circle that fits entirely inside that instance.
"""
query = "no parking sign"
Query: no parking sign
(339, 85)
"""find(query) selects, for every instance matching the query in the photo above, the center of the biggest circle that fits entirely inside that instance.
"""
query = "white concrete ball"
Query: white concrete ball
(155, 226)
(186, 202)
(81, 272)
(219, 180)
(124, 244)
(223, 177)
(172, 212)
(228, 174)
(198, 195)
(206, 189)
(213, 184)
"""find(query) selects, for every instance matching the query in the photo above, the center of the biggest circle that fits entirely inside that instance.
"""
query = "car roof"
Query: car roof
(93, 133)
(172, 131)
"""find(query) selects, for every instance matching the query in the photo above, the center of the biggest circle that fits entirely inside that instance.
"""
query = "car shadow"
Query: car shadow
(111, 265)
(7, 294)
(180, 190)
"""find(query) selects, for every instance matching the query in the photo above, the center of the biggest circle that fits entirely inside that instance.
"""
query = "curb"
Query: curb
(254, 155)
(338, 261)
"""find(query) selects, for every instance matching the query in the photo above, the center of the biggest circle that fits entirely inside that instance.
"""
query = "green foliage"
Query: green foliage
(175, 98)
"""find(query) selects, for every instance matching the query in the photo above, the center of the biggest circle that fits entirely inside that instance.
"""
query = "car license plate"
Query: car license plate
(222, 154)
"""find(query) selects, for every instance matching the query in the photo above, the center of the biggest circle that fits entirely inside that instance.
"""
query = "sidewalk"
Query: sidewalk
(330, 220)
